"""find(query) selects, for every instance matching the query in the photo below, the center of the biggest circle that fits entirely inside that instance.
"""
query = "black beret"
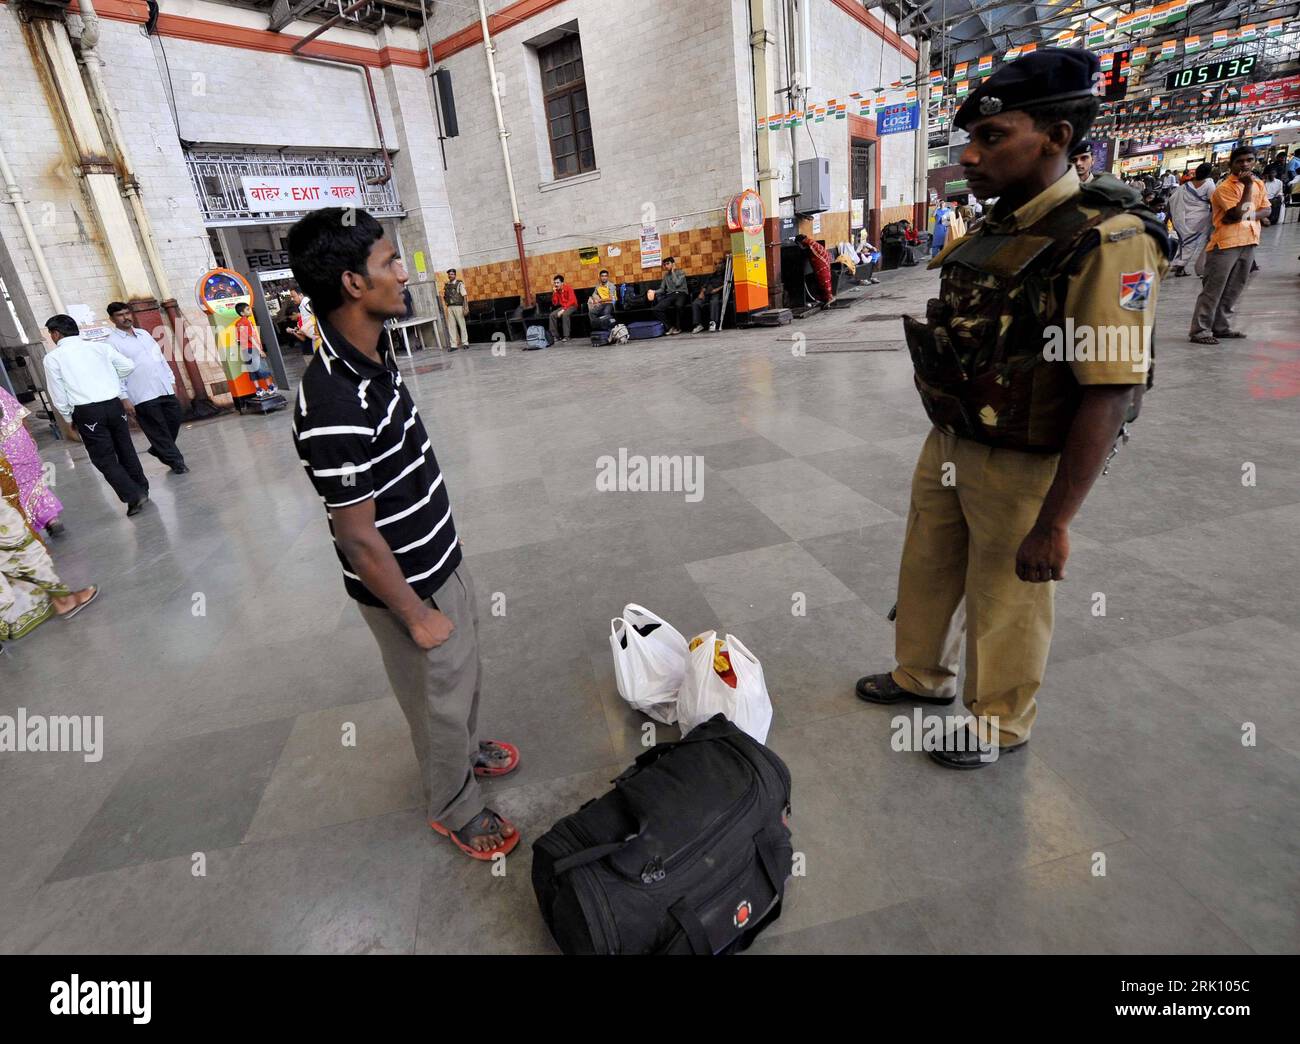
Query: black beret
(1045, 77)
(1080, 148)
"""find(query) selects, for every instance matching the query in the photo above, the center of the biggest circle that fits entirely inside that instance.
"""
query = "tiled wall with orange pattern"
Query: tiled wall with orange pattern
(697, 250)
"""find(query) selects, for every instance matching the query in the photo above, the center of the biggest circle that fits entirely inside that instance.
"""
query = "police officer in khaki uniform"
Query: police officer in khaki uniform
(1030, 363)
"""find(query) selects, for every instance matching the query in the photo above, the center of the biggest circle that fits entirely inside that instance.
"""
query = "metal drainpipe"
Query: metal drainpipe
(527, 295)
(296, 50)
(131, 189)
(29, 233)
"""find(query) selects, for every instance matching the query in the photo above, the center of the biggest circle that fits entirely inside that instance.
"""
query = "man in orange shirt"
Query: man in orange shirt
(1240, 208)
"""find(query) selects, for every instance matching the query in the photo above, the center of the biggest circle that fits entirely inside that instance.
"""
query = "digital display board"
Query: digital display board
(1115, 79)
(1211, 72)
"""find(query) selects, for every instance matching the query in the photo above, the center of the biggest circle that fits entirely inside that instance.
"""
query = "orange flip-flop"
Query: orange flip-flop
(481, 820)
(513, 763)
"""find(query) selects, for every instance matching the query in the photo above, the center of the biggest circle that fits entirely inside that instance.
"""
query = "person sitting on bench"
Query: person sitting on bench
(564, 302)
(869, 254)
(820, 259)
(672, 293)
(709, 299)
(600, 304)
(848, 259)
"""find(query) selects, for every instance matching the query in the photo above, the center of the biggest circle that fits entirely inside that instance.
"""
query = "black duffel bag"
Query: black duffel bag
(689, 853)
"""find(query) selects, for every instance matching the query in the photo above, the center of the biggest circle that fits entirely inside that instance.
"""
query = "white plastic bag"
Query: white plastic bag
(648, 668)
(704, 693)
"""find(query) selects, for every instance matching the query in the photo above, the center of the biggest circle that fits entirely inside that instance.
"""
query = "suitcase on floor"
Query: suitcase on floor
(688, 854)
(644, 330)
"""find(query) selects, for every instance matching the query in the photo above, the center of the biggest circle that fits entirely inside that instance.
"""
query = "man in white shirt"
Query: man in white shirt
(149, 394)
(84, 380)
(307, 317)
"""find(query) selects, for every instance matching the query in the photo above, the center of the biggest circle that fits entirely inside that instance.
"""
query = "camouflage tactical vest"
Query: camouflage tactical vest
(979, 361)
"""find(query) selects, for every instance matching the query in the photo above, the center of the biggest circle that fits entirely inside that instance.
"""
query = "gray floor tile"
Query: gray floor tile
(1244, 670)
(1242, 866)
(1141, 751)
(764, 582)
(826, 509)
(177, 798)
(1061, 907)
(320, 781)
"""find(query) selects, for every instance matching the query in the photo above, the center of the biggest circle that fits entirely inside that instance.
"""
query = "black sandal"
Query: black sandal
(881, 688)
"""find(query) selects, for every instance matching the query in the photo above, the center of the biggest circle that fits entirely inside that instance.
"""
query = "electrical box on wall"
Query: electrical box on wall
(814, 186)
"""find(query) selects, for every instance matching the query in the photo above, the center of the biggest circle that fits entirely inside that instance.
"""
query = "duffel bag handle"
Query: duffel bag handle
(693, 928)
(595, 852)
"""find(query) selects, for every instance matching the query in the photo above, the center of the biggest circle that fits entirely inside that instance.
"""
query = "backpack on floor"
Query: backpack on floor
(619, 334)
(689, 853)
(537, 337)
(599, 337)
(642, 331)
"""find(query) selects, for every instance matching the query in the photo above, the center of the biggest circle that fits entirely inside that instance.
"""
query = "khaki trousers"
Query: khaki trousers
(438, 690)
(456, 325)
(959, 573)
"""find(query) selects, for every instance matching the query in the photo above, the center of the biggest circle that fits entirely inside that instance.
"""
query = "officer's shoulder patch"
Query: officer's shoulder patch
(1122, 233)
(1135, 290)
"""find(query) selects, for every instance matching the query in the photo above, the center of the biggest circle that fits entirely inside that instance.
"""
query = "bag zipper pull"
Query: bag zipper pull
(653, 871)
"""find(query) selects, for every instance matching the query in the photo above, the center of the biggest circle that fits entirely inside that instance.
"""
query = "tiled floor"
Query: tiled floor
(227, 814)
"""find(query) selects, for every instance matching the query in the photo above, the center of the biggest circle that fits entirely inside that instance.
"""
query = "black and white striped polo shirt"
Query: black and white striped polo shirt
(360, 437)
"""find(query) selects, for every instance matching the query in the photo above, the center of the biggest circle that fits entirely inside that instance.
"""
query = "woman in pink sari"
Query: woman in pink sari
(41, 507)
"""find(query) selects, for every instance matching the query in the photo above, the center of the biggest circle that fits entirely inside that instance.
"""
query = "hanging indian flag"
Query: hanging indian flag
(1139, 56)
(963, 88)
(1125, 23)
(1167, 14)
(986, 65)
(864, 106)
(1248, 33)
(936, 77)
(910, 96)
(1028, 48)
(1191, 45)
(1220, 38)
(1107, 60)
(1097, 33)
(1142, 19)
(1155, 101)
(1168, 49)
(959, 70)
(820, 111)
(1012, 54)
(1275, 27)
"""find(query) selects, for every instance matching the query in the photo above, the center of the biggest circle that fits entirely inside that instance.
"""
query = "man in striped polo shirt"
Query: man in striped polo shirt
(365, 450)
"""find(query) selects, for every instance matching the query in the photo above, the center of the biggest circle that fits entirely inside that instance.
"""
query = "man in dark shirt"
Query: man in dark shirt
(366, 451)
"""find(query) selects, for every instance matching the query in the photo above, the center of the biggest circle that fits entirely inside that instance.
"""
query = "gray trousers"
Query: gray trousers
(561, 315)
(438, 690)
(1226, 274)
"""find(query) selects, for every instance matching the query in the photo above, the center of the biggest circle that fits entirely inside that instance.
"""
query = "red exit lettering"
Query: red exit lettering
(308, 193)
